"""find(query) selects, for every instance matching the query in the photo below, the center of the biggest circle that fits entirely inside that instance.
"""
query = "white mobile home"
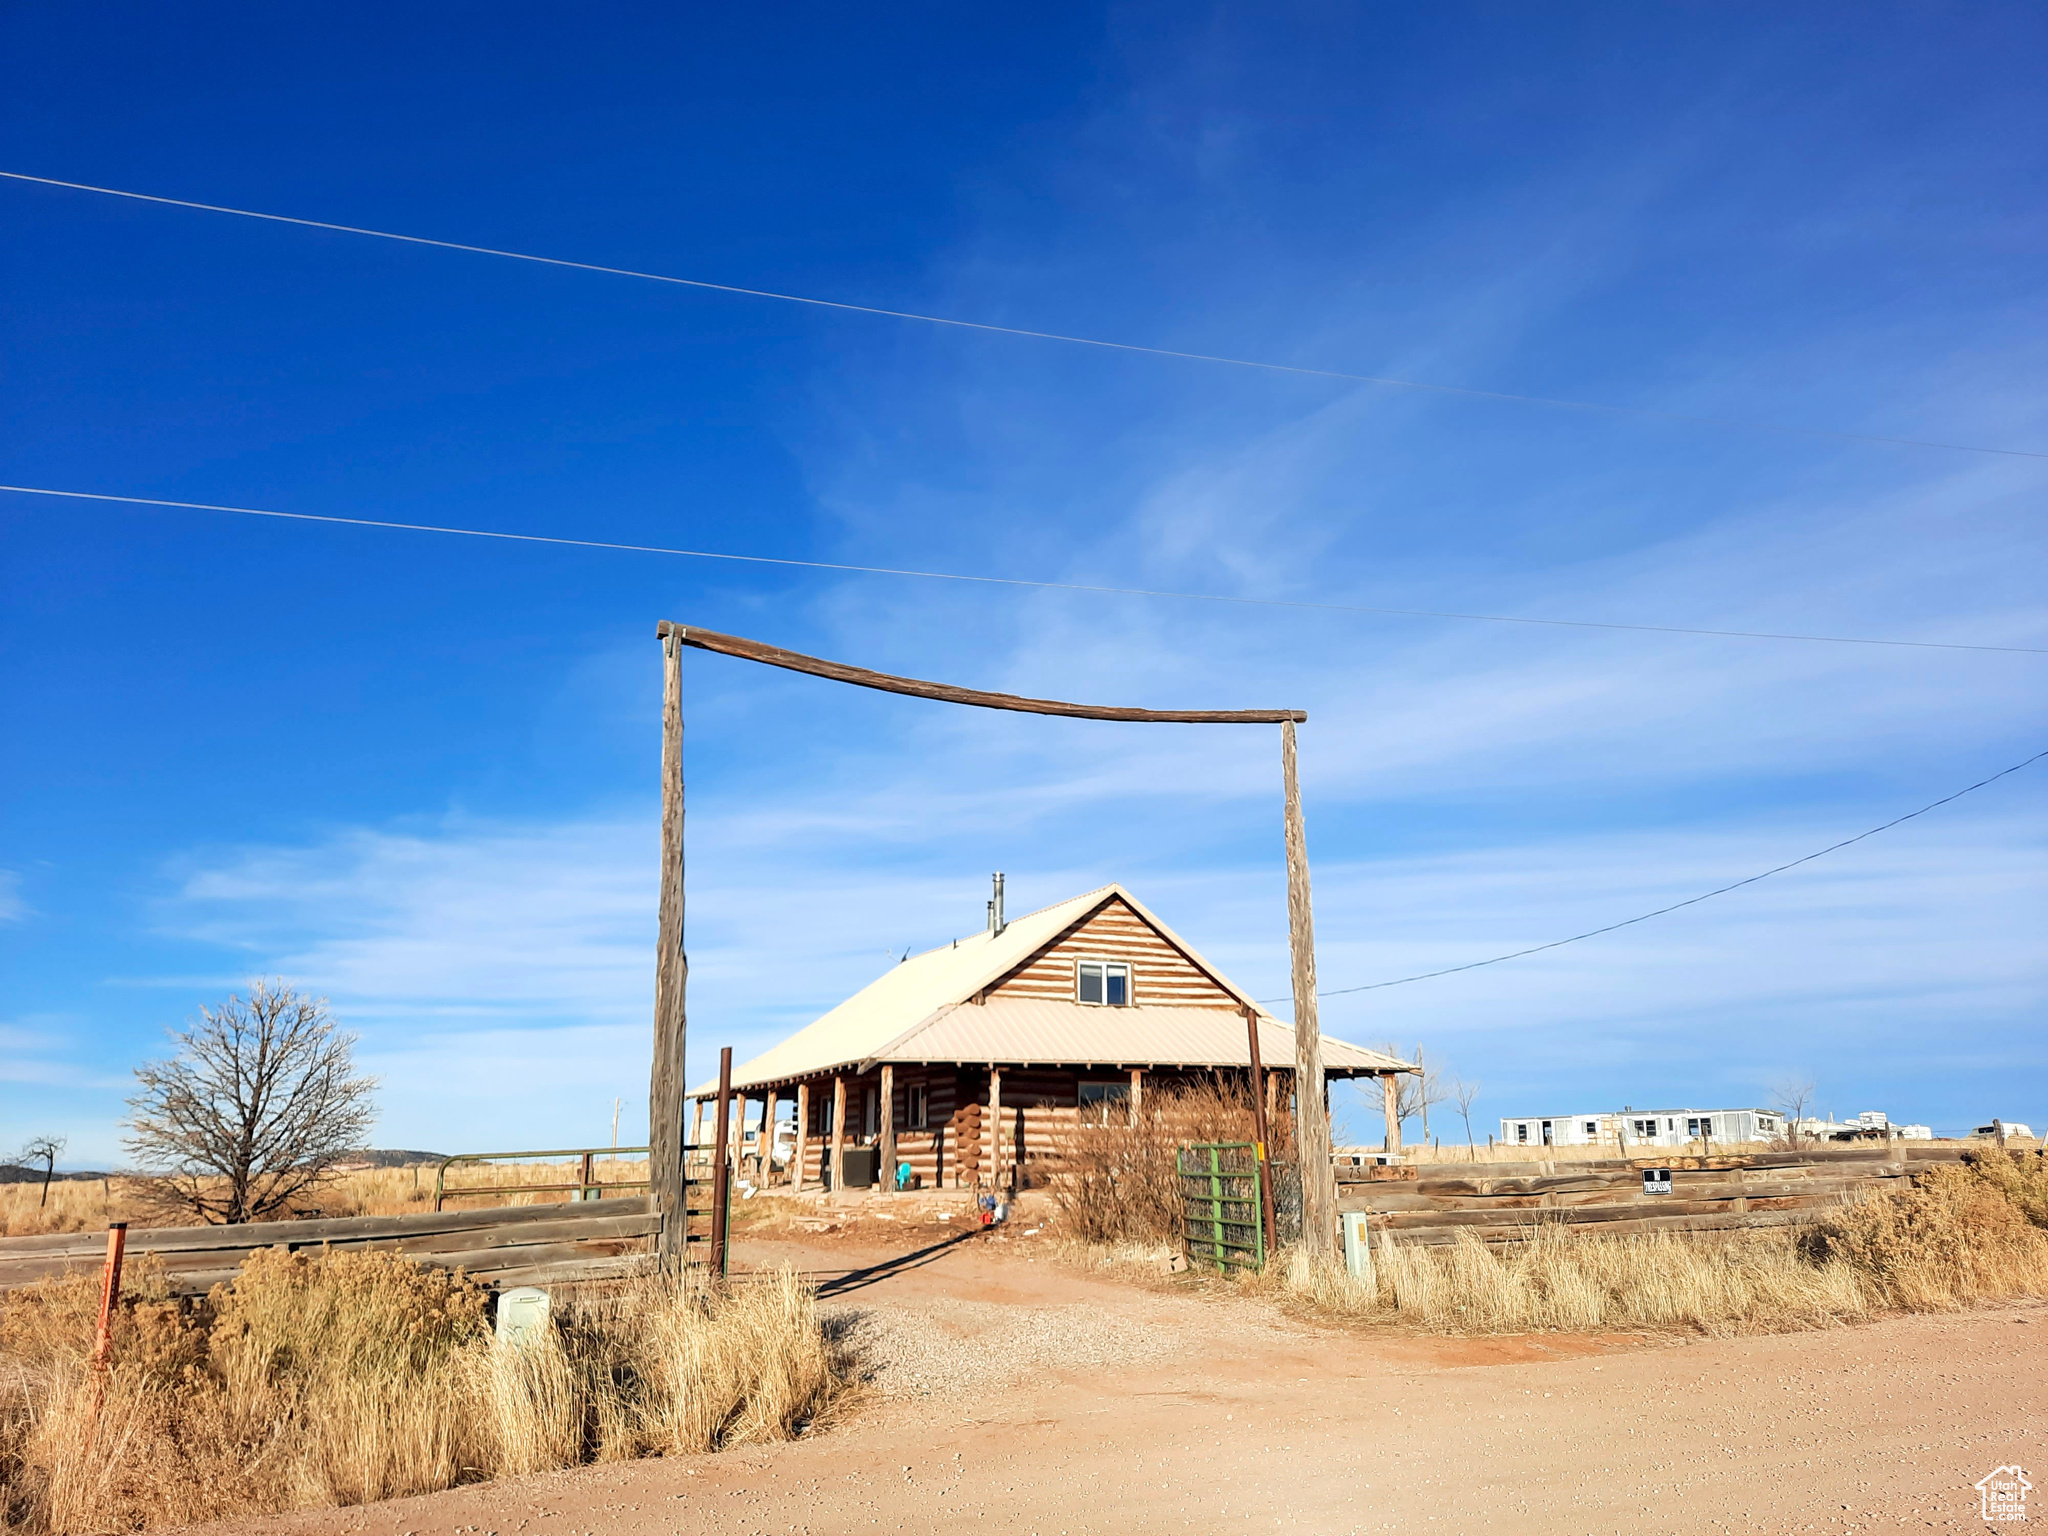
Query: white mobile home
(1594, 1130)
(1642, 1128)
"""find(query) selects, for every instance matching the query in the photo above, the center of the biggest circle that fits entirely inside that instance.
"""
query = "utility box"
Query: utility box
(1357, 1227)
(522, 1314)
(857, 1167)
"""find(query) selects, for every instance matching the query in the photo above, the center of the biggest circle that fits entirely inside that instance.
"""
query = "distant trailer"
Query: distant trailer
(1642, 1128)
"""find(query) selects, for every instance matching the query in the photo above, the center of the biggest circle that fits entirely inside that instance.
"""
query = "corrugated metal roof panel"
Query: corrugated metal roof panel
(1045, 1030)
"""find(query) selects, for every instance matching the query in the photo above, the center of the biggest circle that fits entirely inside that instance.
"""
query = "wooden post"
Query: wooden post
(1312, 1125)
(671, 979)
(803, 1138)
(1137, 1093)
(110, 1293)
(1390, 1104)
(995, 1130)
(886, 1163)
(1422, 1078)
(837, 1167)
(1258, 1088)
(721, 1175)
(768, 1140)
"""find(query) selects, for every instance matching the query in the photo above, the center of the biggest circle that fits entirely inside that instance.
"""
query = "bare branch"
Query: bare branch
(258, 1104)
(1790, 1096)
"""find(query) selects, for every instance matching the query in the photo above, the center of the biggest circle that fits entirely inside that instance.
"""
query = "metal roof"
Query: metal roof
(1046, 1030)
(883, 1020)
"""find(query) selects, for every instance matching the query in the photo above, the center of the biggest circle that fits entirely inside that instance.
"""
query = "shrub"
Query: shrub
(2022, 1177)
(1116, 1182)
(1954, 1236)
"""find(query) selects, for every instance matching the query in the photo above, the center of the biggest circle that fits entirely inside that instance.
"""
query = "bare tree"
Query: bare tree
(1414, 1092)
(45, 1150)
(1790, 1097)
(1462, 1094)
(260, 1101)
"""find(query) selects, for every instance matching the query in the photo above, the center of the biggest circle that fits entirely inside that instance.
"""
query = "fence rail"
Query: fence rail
(554, 1243)
(1500, 1202)
(586, 1187)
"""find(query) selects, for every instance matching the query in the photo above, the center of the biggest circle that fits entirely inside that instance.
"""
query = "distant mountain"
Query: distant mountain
(369, 1157)
(389, 1157)
(14, 1173)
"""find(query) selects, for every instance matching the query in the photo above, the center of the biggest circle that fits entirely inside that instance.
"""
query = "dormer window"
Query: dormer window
(1103, 982)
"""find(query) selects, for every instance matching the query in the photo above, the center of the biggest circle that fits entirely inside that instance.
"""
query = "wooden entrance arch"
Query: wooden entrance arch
(672, 968)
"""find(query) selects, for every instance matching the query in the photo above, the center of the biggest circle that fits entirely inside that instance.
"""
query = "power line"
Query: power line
(1035, 335)
(1012, 581)
(1690, 901)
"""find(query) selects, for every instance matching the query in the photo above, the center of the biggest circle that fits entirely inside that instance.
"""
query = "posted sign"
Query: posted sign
(1656, 1181)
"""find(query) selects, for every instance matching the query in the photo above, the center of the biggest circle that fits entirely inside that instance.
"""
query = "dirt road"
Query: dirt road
(1013, 1395)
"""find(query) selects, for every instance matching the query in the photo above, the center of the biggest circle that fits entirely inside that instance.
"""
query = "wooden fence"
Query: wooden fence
(1498, 1202)
(505, 1245)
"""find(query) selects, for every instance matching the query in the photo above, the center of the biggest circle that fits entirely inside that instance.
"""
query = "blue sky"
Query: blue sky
(417, 774)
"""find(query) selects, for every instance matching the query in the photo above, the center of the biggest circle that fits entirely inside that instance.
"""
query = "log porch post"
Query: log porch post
(768, 1140)
(888, 1158)
(1390, 1090)
(837, 1165)
(995, 1129)
(1137, 1093)
(803, 1137)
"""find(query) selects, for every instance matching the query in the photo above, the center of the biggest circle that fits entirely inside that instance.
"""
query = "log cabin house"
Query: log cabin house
(1033, 1027)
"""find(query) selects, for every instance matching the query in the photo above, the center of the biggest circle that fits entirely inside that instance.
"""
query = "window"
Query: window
(1592, 1127)
(1646, 1128)
(1700, 1125)
(1522, 1131)
(1107, 982)
(870, 1111)
(917, 1106)
(1546, 1133)
(1103, 1103)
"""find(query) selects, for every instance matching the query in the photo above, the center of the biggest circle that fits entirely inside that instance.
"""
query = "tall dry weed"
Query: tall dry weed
(1957, 1236)
(1954, 1237)
(1115, 1183)
(344, 1378)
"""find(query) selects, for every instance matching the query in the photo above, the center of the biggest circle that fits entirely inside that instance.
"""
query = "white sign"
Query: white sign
(1656, 1181)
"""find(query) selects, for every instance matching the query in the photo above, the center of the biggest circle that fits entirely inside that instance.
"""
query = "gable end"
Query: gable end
(1162, 975)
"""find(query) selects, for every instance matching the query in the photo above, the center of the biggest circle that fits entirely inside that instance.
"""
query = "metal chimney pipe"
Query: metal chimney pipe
(996, 921)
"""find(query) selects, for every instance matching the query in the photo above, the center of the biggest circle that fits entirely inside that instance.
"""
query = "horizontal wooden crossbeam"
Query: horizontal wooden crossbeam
(838, 672)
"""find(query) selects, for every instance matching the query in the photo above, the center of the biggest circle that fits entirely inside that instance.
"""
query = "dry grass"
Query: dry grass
(351, 1377)
(83, 1205)
(1959, 1235)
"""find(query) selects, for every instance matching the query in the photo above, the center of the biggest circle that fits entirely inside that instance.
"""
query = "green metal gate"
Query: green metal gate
(1220, 1202)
